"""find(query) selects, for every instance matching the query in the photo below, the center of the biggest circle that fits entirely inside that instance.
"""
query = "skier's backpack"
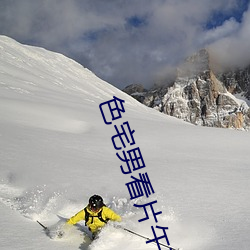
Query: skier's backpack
(99, 216)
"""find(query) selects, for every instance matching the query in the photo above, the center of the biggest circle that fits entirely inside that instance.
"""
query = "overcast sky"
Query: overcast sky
(131, 41)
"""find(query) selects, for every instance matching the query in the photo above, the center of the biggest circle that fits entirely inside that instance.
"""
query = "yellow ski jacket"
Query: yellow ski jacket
(94, 223)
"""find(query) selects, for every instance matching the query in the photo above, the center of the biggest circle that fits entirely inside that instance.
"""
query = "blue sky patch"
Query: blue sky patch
(136, 21)
(219, 17)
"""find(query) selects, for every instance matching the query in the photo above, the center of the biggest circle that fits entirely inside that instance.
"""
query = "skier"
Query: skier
(95, 214)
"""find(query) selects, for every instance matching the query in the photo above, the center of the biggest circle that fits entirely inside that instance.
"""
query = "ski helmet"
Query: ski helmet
(95, 202)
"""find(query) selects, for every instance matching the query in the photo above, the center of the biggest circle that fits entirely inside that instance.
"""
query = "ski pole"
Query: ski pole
(45, 228)
(41, 224)
(164, 245)
(59, 233)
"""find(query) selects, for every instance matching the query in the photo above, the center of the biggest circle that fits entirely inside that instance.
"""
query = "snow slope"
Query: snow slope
(56, 151)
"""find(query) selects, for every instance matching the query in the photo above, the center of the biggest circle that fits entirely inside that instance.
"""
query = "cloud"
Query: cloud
(125, 42)
(233, 49)
(228, 28)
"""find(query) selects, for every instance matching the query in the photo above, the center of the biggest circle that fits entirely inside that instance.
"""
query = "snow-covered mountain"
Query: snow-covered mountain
(201, 95)
(237, 81)
(56, 151)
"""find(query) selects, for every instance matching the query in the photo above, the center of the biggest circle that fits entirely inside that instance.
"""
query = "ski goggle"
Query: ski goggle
(94, 208)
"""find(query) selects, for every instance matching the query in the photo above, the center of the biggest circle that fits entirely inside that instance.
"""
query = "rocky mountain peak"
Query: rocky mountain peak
(196, 64)
(202, 97)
